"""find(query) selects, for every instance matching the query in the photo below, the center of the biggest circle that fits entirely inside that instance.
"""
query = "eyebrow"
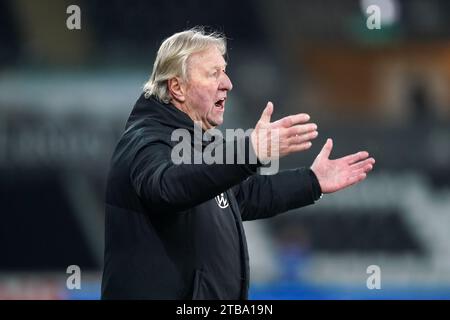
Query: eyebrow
(220, 67)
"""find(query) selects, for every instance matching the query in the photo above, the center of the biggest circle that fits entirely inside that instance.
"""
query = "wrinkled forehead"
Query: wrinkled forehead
(209, 58)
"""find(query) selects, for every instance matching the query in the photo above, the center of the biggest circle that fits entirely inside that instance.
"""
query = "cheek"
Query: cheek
(202, 97)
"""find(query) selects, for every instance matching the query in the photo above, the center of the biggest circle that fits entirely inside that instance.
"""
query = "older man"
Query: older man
(174, 230)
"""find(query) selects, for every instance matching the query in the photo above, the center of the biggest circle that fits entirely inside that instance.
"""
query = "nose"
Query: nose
(225, 82)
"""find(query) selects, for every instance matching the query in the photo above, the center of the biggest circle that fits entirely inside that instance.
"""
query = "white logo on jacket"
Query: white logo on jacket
(222, 201)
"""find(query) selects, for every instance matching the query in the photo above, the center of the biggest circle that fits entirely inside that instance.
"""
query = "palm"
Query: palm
(337, 174)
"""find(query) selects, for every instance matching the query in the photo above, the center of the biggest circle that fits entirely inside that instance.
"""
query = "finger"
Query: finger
(267, 113)
(298, 130)
(362, 164)
(365, 169)
(350, 159)
(356, 179)
(292, 120)
(299, 147)
(326, 149)
(299, 139)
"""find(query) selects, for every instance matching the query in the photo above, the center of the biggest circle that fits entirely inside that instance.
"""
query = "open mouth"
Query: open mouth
(220, 104)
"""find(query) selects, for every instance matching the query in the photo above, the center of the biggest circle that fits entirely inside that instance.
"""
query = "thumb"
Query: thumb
(326, 149)
(267, 113)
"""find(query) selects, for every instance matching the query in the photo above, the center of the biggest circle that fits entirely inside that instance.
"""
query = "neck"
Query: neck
(191, 113)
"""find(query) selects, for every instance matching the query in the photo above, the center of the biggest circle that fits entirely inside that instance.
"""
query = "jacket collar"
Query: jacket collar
(164, 113)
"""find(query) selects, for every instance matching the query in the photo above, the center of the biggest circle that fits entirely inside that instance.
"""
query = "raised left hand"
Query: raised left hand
(335, 175)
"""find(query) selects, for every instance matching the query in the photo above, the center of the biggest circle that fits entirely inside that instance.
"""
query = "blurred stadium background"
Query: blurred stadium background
(65, 96)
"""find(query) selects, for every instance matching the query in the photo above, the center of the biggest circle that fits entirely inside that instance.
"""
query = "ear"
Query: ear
(176, 89)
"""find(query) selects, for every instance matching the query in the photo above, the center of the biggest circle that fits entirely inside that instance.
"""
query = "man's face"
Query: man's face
(207, 87)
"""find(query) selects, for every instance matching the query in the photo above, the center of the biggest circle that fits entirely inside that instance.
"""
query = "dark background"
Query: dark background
(65, 96)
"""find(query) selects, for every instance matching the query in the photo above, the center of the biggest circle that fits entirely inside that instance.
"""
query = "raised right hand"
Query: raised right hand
(273, 140)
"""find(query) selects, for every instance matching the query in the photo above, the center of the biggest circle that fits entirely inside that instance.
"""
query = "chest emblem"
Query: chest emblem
(222, 200)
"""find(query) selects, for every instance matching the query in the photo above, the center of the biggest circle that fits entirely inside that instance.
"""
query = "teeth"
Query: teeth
(219, 103)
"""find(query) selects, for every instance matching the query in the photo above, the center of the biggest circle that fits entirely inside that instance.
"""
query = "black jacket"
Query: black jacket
(174, 231)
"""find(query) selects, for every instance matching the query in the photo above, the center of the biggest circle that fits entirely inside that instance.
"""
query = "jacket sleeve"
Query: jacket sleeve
(262, 197)
(175, 187)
